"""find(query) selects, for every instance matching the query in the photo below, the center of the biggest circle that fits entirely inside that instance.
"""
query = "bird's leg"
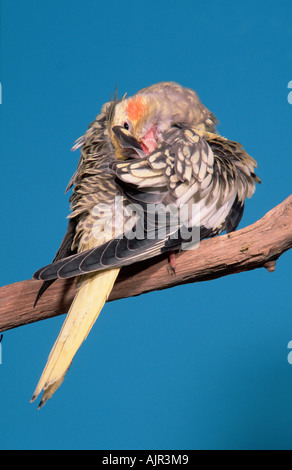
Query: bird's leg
(171, 259)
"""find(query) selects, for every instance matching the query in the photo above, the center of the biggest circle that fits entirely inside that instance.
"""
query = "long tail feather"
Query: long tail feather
(85, 308)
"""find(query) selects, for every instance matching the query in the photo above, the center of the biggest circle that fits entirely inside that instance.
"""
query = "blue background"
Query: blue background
(202, 366)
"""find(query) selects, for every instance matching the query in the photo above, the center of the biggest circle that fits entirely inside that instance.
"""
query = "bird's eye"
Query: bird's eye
(126, 125)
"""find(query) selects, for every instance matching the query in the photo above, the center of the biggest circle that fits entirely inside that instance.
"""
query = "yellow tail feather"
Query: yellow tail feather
(86, 306)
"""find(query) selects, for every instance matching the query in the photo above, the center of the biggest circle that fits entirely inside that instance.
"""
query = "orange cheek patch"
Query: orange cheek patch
(135, 108)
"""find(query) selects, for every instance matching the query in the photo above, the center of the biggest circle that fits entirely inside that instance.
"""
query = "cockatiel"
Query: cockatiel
(143, 159)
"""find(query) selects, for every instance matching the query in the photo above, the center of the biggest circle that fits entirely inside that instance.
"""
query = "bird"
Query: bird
(154, 176)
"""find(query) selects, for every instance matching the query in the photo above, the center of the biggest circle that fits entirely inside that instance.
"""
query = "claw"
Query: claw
(171, 258)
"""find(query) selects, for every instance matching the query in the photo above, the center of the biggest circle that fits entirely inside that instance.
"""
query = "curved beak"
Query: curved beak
(127, 140)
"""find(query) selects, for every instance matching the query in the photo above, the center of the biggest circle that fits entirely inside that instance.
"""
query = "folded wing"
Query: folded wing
(187, 182)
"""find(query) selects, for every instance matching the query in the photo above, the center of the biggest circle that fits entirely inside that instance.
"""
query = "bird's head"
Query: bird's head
(137, 123)
(133, 128)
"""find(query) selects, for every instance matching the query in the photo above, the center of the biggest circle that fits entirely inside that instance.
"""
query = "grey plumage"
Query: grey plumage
(191, 165)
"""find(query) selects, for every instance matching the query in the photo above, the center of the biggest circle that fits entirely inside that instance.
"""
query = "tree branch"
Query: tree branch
(258, 245)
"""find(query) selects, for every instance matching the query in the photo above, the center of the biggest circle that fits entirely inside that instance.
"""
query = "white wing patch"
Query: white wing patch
(208, 175)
